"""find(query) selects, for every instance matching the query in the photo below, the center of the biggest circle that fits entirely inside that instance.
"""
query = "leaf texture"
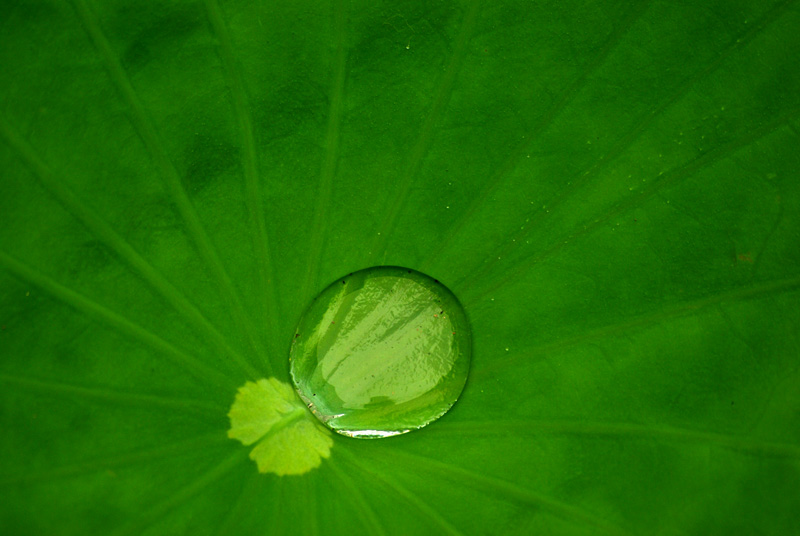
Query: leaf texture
(610, 188)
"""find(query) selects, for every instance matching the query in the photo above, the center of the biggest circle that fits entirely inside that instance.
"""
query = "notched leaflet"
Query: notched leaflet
(288, 439)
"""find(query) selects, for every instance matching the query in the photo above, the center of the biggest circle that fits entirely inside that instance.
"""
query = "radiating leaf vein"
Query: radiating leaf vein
(98, 312)
(152, 141)
(676, 174)
(242, 112)
(747, 445)
(102, 394)
(330, 162)
(541, 126)
(365, 511)
(99, 463)
(643, 321)
(194, 488)
(426, 135)
(108, 236)
(406, 494)
(583, 178)
(505, 489)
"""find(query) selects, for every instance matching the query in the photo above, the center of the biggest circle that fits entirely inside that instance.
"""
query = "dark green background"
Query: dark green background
(610, 187)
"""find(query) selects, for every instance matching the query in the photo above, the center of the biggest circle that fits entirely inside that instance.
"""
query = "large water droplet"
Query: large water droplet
(381, 352)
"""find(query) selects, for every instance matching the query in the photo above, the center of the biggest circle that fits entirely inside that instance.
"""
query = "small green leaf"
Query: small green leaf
(290, 442)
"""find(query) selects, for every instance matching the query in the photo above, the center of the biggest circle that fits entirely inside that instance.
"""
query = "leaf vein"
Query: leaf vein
(538, 129)
(671, 177)
(505, 489)
(645, 320)
(264, 266)
(426, 135)
(365, 511)
(330, 162)
(107, 235)
(112, 395)
(409, 496)
(123, 325)
(584, 178)
(196, 487)
(155, 146)
(610, 429)
(97, 464)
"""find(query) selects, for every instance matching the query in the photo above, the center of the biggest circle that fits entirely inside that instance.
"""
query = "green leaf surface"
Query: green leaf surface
(610, 188)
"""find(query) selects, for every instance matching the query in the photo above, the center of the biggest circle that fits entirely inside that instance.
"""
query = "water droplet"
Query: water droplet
(391, 362)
